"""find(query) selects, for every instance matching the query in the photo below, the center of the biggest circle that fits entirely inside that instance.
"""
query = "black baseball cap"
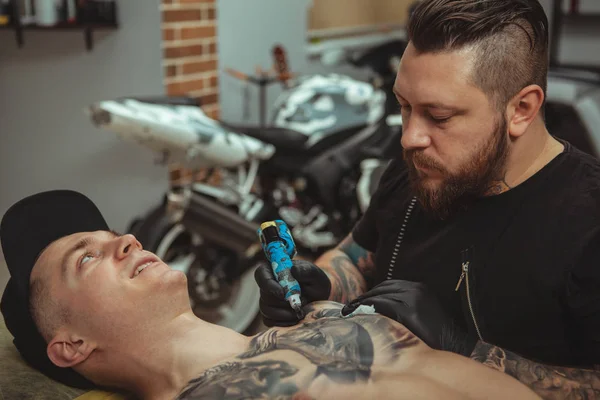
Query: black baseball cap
(27, 228)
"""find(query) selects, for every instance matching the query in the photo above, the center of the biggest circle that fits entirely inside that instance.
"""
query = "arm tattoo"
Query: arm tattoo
(549, 382)
(338, 350)
(360, 257)
(347, 283)
(349, 268)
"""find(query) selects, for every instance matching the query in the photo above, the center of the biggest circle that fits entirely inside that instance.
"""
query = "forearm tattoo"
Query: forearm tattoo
(339, 351)
(347, 283)
(351, 273)
(360, 257)
(549, 382)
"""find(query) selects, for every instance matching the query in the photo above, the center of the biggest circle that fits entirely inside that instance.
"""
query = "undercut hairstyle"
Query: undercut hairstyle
(509, 39)
(46, 312)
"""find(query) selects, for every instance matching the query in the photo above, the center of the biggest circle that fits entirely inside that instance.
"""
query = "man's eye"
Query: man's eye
(440, 120)
(86, 258)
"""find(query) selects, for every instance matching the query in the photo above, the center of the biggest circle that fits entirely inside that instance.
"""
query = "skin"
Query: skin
(141, 335)
(449, 131)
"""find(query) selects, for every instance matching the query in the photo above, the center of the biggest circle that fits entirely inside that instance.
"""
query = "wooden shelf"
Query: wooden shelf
(60, 27)
(87, 28)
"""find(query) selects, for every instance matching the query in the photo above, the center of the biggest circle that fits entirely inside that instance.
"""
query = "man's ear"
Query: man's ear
(67, 350)
(523, 109)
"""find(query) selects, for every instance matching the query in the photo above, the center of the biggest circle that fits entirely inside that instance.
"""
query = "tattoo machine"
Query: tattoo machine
(279, 247)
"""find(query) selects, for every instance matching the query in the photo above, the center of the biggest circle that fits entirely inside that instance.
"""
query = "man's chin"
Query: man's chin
(427, 187)
(430, 184)
(433, 197)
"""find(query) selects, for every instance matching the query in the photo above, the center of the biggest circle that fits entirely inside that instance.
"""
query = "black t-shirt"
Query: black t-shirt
(533, 257)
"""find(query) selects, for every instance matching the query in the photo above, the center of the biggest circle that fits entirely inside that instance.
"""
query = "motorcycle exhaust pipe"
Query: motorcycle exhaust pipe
(220, 225)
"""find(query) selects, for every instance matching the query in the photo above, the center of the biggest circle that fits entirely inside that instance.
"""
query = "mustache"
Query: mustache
(418, 159)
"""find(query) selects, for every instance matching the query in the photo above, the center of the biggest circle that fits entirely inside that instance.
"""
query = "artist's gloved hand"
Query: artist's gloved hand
(414, 306)
(276, 311)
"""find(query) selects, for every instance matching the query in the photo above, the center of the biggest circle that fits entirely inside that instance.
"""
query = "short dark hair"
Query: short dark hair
(47, 313)
(509, 37)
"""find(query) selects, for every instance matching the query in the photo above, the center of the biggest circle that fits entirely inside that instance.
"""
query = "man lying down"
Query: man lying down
(88, 305)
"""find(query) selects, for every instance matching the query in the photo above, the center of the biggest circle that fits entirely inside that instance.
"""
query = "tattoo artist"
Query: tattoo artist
(483, 236)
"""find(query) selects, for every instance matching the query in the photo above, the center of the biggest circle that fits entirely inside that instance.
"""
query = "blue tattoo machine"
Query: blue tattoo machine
(279, 248)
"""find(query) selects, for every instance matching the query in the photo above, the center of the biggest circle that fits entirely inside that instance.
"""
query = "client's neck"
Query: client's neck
(169, 357)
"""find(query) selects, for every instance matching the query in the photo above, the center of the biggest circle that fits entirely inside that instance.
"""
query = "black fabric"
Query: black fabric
(534, 258)
(27, 228)
(281, 138)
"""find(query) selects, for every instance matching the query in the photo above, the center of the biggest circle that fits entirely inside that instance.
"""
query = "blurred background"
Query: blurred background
(180, 64)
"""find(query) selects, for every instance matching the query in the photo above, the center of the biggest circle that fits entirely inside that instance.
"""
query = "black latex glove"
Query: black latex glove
(276, 311)
(415, 307)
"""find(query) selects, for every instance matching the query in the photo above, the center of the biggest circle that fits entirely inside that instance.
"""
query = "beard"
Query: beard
(458, 191)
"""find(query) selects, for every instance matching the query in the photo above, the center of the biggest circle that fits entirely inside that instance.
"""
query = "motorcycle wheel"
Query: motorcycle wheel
(213, 298)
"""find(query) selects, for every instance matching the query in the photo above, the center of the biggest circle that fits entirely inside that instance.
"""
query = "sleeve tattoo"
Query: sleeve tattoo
(347, 283)
(360, 257)
(549, 382)
(351, 273)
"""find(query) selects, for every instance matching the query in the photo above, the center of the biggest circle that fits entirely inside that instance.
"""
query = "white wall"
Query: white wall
(245, 41)
(46, 142)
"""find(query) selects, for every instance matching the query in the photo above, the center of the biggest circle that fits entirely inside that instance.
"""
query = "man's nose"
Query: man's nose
(125, 245)
(415, 134)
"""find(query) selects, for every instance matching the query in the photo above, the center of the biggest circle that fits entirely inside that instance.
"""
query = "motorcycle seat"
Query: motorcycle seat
(281, 138)
(165, 100)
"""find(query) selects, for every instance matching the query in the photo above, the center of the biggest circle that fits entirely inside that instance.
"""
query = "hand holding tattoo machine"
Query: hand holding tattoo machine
(279, 248)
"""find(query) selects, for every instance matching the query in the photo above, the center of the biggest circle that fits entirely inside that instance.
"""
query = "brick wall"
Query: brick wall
(190, 62)
(189, 42)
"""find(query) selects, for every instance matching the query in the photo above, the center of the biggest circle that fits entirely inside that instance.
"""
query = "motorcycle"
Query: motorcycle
(327, 133)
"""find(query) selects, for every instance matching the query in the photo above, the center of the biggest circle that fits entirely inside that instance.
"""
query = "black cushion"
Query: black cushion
(281, 138)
